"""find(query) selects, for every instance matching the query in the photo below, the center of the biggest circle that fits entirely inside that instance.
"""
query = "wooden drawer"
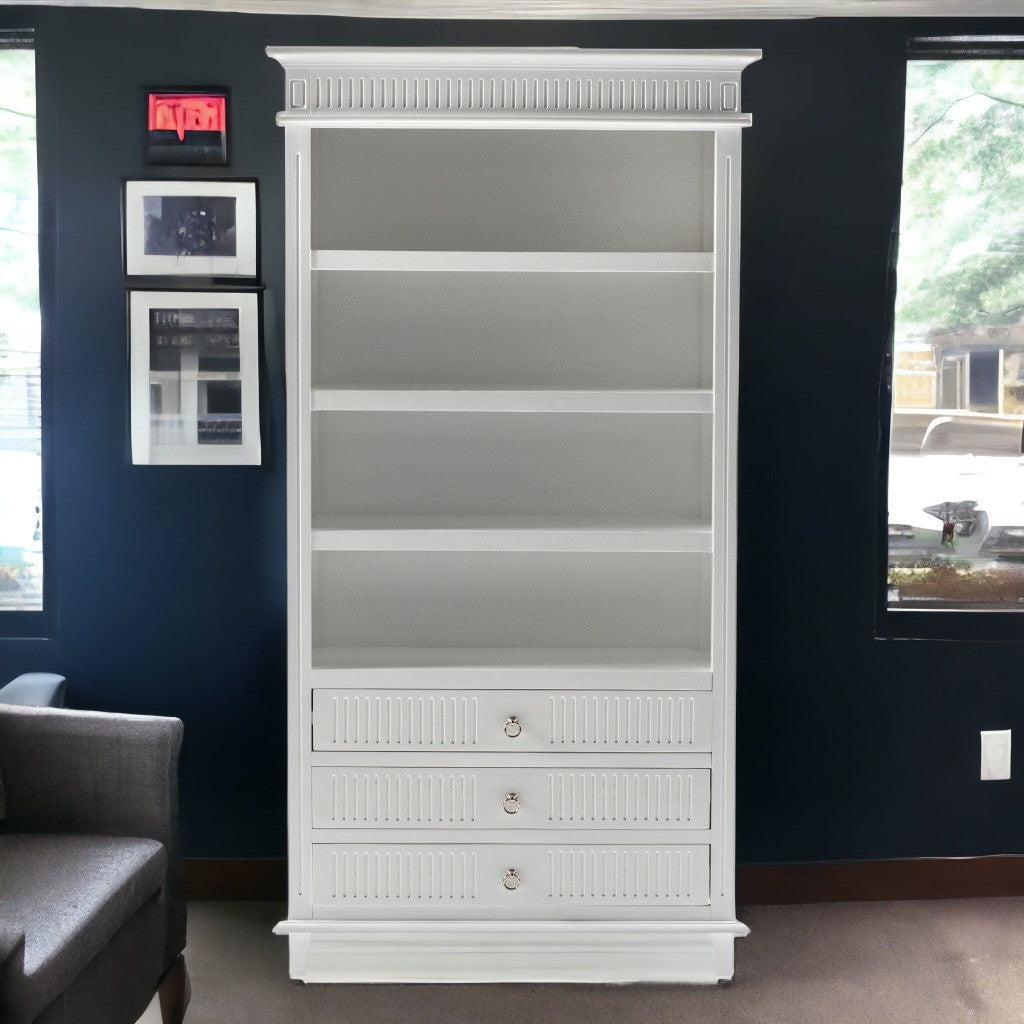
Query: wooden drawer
(511, 798)
(461, 877)
(543, 720)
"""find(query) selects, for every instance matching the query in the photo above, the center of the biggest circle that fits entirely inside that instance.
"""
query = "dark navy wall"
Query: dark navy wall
(171, 581)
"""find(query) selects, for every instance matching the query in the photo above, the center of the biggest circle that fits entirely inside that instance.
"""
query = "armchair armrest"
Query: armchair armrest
(35, 689)
(92, 773)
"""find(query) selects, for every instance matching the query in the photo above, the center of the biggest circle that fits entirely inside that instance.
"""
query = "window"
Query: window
(21, 527)
(956, 470)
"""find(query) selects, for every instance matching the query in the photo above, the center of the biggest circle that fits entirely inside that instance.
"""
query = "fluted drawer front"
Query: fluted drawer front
(647, 798)
(514, 798)
(381, 797)
(532, 720)
(510, 877)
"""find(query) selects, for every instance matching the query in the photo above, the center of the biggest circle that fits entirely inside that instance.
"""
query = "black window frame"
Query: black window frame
(41, 624)
(1004, 625)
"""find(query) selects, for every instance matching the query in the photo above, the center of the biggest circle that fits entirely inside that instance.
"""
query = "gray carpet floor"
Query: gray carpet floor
(942, 962)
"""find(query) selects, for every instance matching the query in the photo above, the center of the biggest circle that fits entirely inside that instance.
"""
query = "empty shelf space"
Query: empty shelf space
(530, 262)
(497, 667)
(511, 599)
(475, 464)
(648, 400)
(529, 190)
(513, 331)
(516, 533)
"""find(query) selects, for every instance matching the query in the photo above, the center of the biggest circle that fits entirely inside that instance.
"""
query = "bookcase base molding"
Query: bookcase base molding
(410, 952)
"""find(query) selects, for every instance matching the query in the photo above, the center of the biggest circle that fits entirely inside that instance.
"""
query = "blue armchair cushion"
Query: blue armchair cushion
(35, 689)
(69, 895)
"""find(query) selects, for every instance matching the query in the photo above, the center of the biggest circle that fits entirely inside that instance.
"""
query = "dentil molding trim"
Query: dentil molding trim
(363, 85)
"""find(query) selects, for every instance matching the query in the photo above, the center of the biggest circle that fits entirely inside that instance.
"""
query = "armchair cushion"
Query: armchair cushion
(87, 772)
(69, 895)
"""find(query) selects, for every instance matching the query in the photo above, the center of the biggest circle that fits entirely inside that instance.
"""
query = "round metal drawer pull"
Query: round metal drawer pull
(511, 803)
(511, 879)
(512, 727)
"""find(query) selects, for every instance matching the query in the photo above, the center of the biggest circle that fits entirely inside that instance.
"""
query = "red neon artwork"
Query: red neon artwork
(178, 113)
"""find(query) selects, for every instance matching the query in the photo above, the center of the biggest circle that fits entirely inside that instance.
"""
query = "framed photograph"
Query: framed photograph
(194, 377)
(187, 126)
(194, 228)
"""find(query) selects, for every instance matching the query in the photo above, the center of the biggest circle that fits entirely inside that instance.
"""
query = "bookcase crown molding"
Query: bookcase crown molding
(471, 85)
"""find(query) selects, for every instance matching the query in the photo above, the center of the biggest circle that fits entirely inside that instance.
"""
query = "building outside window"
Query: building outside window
(21, 528)
(956, 471)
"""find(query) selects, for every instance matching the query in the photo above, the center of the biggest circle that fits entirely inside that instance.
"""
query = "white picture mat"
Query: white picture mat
(242, 264)
(248, 453)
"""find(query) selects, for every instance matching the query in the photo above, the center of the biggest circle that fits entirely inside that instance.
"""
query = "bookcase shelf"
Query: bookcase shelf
(478, 262)
(496, 667)
(516, 533)
(678, 400)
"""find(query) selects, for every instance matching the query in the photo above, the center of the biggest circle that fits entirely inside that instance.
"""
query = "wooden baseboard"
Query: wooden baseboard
(925, 878)
(236, 879)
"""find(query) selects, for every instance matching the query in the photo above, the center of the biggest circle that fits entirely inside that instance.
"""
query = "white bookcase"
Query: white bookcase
(512, 297)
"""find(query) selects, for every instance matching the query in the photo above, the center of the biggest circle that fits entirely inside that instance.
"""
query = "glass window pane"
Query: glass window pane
(21, 554)
(956, 472)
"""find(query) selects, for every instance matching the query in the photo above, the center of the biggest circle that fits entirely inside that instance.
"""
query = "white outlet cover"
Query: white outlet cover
(995, 754)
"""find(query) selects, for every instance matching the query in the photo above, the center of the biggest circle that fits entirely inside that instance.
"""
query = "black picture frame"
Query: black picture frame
(186, 126)
(140, 265)
(143, 447)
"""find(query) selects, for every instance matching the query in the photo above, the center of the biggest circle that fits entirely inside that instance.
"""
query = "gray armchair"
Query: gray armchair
(92, 915)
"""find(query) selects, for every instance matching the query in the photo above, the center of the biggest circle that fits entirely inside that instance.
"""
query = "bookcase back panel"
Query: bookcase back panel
(513, 330)
(587, 191)
(544, 464)
(472, 599)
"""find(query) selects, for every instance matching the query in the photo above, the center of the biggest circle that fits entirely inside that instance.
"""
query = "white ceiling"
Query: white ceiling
(581, 9)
